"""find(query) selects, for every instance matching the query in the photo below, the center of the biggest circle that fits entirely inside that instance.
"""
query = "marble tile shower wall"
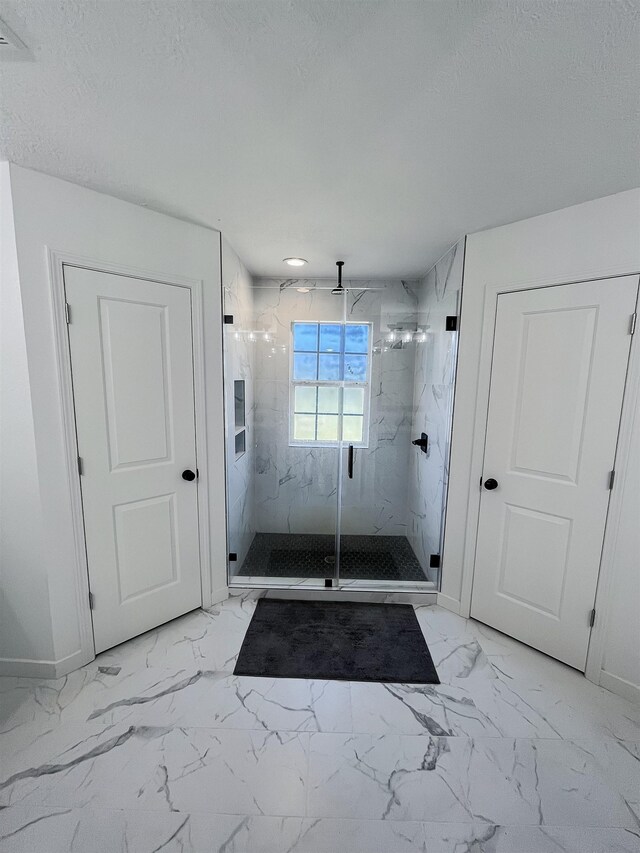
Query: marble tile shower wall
(434, 377)
(295, 487)
(239, 355)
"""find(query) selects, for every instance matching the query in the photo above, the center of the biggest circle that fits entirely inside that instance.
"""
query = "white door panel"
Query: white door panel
(131, 353)
(557, 381)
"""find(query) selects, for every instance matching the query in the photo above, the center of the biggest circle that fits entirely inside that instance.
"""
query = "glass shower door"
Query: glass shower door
(394, 482)
(377, 452)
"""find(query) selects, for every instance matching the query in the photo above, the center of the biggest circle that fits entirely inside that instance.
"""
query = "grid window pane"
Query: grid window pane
(304, 427)
(352, 428)
(305, 366)
(329, 367)
(356, 338)
(327, 427)
(305, 337)
(353, 401)
(305, 399)
(355, 368)
(328, 401)
(330, 358)
(330, 337)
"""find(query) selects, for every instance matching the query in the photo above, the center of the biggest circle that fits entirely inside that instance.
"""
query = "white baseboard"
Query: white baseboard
(25, 668)
(449, 603)
(621, 686)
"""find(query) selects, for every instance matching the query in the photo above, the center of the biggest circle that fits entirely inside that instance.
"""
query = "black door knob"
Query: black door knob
(188, 475)
(491, 484)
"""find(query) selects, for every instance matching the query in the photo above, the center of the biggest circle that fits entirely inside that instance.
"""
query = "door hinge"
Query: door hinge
(592, 618)
(232, 556)
(434, 561)
(67, 312)
(632, 324)
(612, 477)
(80, 466)
(228, 319)
(92, 601)
(451, 323)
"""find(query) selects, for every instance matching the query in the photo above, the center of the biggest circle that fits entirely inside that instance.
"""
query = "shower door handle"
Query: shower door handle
(350, 463)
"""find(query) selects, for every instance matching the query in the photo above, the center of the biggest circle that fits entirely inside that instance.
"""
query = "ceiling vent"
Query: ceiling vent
(9, 41)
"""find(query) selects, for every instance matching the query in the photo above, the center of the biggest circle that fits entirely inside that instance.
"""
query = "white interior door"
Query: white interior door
(132, 365)
(558, 373)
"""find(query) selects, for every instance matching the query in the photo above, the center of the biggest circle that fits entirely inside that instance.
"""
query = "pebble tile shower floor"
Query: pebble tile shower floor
(311, 555)
(156, 746)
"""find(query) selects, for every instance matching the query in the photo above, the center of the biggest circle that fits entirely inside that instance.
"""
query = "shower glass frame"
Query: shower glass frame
(340, 450)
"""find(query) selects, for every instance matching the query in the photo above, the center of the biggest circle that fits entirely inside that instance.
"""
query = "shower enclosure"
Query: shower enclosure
(338, 415)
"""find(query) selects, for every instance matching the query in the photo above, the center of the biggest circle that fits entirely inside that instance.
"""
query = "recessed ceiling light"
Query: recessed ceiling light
(303, 289)
(295, 262)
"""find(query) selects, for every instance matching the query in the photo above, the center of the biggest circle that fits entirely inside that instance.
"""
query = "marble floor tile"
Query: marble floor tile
(209, 699)
(157, 746)
(219, 646)
(497, 780)
(169, 769)
(168, 647)
(480, 709)
(91, 830)
(488, 838)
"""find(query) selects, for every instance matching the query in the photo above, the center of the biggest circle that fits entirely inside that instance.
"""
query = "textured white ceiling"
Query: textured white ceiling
(375, 132)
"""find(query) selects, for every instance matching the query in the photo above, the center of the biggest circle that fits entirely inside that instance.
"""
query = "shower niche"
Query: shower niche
(337, 483)
(239, 411)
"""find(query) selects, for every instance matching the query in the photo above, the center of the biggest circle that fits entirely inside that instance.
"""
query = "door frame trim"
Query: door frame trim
(595, 655)
(481, 413)
(56, 260)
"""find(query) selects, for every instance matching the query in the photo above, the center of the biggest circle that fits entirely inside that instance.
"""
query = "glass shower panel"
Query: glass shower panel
(295, 341)
(377, 424)
(394, 486)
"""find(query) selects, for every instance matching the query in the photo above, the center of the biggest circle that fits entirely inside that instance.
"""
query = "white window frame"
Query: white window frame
(331, 383)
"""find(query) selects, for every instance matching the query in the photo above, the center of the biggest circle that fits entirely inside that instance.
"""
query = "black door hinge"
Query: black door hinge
(592, 618)
(632, 324)
(612, 477)
(451, 323)
(92, 601)
(228, 319)
(232, 557)
(67, 312)
(434, 561)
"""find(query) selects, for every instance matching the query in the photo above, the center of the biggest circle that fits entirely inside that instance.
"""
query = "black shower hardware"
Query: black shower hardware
(339, 290)
(422, 442)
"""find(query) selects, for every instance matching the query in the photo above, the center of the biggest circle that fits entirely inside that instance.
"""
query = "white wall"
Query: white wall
(23, 577)
(50, 214)
(597, 239)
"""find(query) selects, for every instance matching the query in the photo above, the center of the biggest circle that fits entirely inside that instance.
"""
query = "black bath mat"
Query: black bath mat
(336, 640)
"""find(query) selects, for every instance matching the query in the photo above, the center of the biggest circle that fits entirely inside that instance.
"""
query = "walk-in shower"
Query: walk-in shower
(338, 407)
